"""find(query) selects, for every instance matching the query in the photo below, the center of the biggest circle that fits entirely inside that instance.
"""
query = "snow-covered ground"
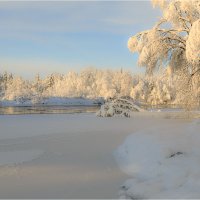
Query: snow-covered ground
(163, 160)
(71, 156)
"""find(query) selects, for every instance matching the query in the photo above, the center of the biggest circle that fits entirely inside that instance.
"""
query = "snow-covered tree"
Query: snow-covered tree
(18, 90)
(174, 38)
(174, 41)
(5, 79)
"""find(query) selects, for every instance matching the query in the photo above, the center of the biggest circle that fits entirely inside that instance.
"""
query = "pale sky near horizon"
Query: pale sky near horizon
(46, 37)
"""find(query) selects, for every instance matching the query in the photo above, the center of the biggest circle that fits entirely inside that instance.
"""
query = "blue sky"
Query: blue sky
(46, 37)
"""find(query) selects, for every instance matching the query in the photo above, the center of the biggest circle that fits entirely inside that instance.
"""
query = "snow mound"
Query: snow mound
(163, 163)
(118, 106)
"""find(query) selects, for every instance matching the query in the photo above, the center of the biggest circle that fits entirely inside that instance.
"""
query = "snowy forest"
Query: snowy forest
(163, 88)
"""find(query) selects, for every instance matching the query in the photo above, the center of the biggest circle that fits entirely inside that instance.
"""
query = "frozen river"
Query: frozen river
(65, 155)
(60, 156)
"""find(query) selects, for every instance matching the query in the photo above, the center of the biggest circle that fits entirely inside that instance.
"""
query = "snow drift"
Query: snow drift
(163, 163)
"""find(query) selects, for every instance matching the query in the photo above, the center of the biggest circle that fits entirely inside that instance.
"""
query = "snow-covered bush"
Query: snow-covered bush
(118, 107)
